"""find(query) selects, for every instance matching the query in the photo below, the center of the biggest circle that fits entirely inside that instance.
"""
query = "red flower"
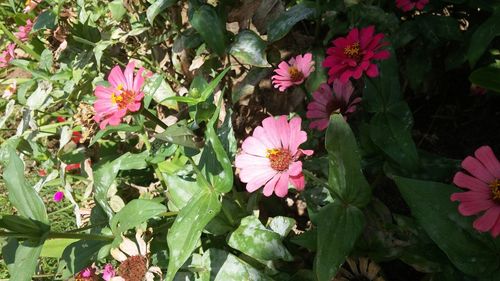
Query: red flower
(60, 119)
(355, 54)
(76, 137)
(408, 5)
(42, 173)
(71, 167)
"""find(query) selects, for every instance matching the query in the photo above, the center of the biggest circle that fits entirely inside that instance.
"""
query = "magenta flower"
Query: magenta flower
(30, 5)
(7, 55)
(87, 274)
(483, 184)
(270, 157)
(355, 54)
(108, 272)
(325, 103)
(408, 5)
(294, 72)
(124, 95)
(24, 31)
(58, 196)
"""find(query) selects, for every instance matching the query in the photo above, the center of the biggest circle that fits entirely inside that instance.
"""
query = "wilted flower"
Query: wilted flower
(87, 274)
(360, 269)
(24, 31)
(108, 272)
(30, 5)
(84, 118)
(355, 54)
(124, 95)
(10, 90)
(408, 5)
(294, 72)
(134, 262)
(58, 196)
(270, 157)
(483, 185)
(325, 103)
(7, 55)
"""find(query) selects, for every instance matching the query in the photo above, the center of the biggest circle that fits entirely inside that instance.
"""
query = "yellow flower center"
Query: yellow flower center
(295, 74)
(495, 190)
(280, 158)
(122, 98)
(353, 50)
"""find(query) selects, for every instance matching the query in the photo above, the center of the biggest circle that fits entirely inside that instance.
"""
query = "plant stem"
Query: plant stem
(59, 235)
(146, 113)
(19, 43)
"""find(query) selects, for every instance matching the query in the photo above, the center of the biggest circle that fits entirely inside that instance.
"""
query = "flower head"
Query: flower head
(24, 31)
(325, 103)
(108, 272)
(355, 54)
(124, 95)
(7, 55)
(76, 137)
(359, 269)
(270, 157)
(30, 5)
(58, 196)
(408, 5)
(10, 90)
(87, 274)
(294, 72)
(71, 167)
(482, 183)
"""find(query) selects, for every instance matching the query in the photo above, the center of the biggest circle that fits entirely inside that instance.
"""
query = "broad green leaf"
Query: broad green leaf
(482, 37)
(178, 134)
(46, 20)
(186, 230)
(346, 180)
(22, 258)
(46, 60)
(81, 254)
(248, 84)
(438, 28)
(117, 9)
(280, 27)
(157, 7)
(471, 252)
(135, 213)
(319, 74)
(282, 225)
(211, 28)
(255, 240)
(339, 226)
(112, 129)
(23, 225)
(487, 77)
(159, 91)
(250, 49)
(180, 190)
(54, 248)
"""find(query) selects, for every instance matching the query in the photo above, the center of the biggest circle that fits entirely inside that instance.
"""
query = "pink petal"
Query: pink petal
(129, 76)
(116, 77)
(471, 183)
(298, 182)
(251, 174)
(270, 185)
(260, 180)
(295, 168)
(475, 168)
(281, 189)
(270, 125)
(244, 160)
(488, 220)
(489, 160)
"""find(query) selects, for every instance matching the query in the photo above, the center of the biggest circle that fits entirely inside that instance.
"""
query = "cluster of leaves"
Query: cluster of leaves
(211, 61)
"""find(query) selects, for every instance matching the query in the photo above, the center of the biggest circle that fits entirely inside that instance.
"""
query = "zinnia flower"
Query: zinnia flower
(325, 103)
(124, 95)
(294, 72)
(360, 269)
(87, 274)
(7, 55)
(10, 90)
(355, 54)
(58, 196)
(408, 5)
(270, 157)
(24, 31)
(108, 272)
(76, 137)
(74, 166)
(30, 5)
(134, 261)
(483, 184)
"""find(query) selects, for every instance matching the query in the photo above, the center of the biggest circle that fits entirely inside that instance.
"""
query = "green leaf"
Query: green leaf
(178, 134)
(186, 230)
(255, 240)
(54, 248)
(111, 129)
(46, 60)
(345, 180)
(22, 258)
(22, 196)
(487, 77)
(117, 9)
(181, 190)
(280, 27)
(318, 76)
(483, 36)
(157, 7)
(339, 226)
(210, 26)
(46, 20)
(431, 205)
(23, 225)
(250, 49)
(438, 28)
(39, 99)
(81, 254)
(135, 213)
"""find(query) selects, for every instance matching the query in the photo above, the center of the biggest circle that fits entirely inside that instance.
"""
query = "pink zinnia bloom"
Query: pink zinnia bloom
(326, 103)
(30, 5)
(408, 5)
(124, 95)
(8, 55)
(58, 196)
(24, 31)
(87, 274)
(294, 72)
(270, 157)
(483, 184)
(10, 90)
(355, 54)
(109, 272)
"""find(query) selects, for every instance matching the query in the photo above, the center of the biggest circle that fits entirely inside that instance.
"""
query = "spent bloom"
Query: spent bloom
(24, 31)
(87, 274)
(293, 72)
(124, 95)
(58, 196)
(30, 5)
(408, 5)
(270, 157)
(482, 182)
(108, 272)
(353, 55)
(10, 90)
(327, 102)
(7, 55)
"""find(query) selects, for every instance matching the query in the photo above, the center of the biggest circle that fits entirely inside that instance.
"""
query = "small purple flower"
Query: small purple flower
(58, 196)
(108, 272)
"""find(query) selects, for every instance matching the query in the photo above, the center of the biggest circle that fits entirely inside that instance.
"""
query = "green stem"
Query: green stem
(169, 214)
(19, 43)
(146, 113)
(59, 235)
(61, 210)
(199, 174)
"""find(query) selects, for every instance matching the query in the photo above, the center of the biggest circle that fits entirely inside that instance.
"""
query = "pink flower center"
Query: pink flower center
(295, 74)
(124, 98)
(495, 190)
(280, 158)
(353, 51)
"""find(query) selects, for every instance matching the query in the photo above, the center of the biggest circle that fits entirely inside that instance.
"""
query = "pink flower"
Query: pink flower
(109, 272)
(408, 5)
(87, 274)
(7, 55)
(30, 5)
(294, 72)
(42, 173)
(71, 167)
(24, 31)
(58, 196)
(10, 90)
(326, 103)
(355, 54)
(124, 95)
(483, 184)
(270, 157)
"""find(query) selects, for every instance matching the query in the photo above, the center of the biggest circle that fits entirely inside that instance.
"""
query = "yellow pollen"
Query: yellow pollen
(115, 98)
(280, 158)
(352, 51)
(295, 74)
(119, 87)
(495, 190)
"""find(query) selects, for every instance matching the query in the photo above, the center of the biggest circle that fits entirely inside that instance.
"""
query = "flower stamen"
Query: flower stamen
(353, 50)
(280, 158)
(495, 190)
(295, 74)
